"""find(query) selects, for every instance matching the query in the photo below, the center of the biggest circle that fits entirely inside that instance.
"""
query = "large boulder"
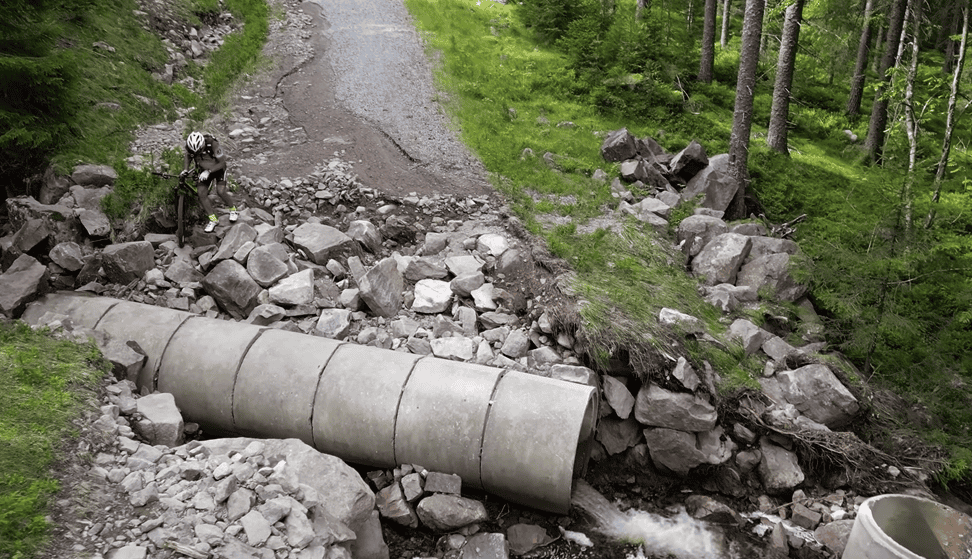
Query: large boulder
(237, 236)
(125, 262)
(264, 266)
(695, 231)
(779, 468)
(432, 296)
(381, 288)
(322, 242)
(674, 450)
(94, 175)
(720, 260)
(773, 272)
(32, 234)
(20, 283)
(658, 407)
(764, 246)
(67, 255)
(816, 392)
(88, 202)
(366, 233)
(60, 219)
(445, 513)
(294, 290)
(640, 170)
(161, 422)
(619, 145)
(233, 288)
(714, 183)
(689, 161)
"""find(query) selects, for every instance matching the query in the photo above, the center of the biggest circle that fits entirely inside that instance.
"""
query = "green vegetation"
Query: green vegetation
(76, 79)
(895, 298)
(43, 383)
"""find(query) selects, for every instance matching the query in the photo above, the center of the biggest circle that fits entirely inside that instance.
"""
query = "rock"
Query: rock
(161, 422)
(765, 246)
(432, 296)
(515, 263)
(256, 527)
(264, 315)
(619, 145)
(268, 234)
(438, 482)
(485, 546)
(264, 267)
(393, 506)
(618, 435)
(710, 510)
(751, 337)
(445, 513)
(412, 486)
(777, 349)
(322, 242)
(300, 531)
(59, 218)
(239, 503)
(381, 288)
(455, 348)
(492, 244)
(464, 264)
(233, 288)
(834, 535)
(182, 272)
(434, 243)
(685, 374)
(714, 183)
(804, 517)
(673, 450)
(516, 345)
(484, 298)
(524, 538)
(574, 373)
(294, 290)
(544, 355)
(772, 272)
(126, 262)
(719, 261)
(696, 231)
(31, 234)
(748, 459)
(618, 396)
(368, 540)
(684, 322)
(333, 323)
(237, 236)
(658, 407)
(94, 175)
(366, 234)
(128, 552)
(126, 358)
(464, 285)
(420, 268)
(689, 161)
(22, 281)
(716, 447)
(817, 393)
(640, 170)
(779, 469)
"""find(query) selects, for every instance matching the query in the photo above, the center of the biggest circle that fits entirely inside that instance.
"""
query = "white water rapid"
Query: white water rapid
(680, 536)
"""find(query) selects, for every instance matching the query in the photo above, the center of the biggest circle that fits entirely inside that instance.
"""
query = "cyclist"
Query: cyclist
(203, 150)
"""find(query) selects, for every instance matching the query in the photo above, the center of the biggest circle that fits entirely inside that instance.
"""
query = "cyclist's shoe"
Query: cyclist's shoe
(211, 226)
(234, 215)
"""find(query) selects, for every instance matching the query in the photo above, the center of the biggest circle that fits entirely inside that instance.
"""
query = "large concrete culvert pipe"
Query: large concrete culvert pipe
(519, 436)
(908, 527)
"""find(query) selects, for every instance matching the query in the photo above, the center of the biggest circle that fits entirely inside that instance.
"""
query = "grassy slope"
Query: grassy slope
(507, 92)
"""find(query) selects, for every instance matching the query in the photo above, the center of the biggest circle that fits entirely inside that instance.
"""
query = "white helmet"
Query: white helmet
(195, 142)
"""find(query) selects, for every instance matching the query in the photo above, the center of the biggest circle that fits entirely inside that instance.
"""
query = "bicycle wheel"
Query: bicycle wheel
(181, 219)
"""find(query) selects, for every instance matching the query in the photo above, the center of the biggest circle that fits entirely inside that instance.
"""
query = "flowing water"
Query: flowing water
(680, 536)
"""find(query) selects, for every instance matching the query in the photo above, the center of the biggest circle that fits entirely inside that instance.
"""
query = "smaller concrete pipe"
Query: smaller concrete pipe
(520, 436)
(907, 527)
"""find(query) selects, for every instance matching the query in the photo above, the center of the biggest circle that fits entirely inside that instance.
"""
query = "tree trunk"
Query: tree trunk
(776, 135)
(742, 117)
(724, 39)
(949, 28)
(874, 144)
(690, 16)
(863, 49)
(909, 8)
(911, 119)
(762, 33)
(878, 49)
(708, 42)
(639, 11)
(950, 118)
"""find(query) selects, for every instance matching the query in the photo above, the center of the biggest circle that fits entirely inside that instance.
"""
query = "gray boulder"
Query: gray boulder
(264, 267)
(640, 170)
(446, 513)
(773, 272)
(658, 407)
(161, 422)
(381, 288)
(779, 469)
(673, 450)
(59, 217)
(366, 233)
(618, 396)
(294, 290)
(67, 255)
(422, 267)
(94, 175)
(714, 184)
(233, 288)
(432, 296)
(322, 242)
(125, 262)
(721, 258)
(618, 435)
(182, 272)
(748, 334)
(31, 234)
(333, 323)
(817, 393)
(20, 284)
(764, 246)
(689, 161)
(695, 231)
(619, 145)
(237, 236)
(88, 201)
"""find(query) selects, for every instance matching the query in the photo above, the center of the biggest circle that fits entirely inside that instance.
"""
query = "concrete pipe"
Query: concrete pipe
(520, 436)
(907, 527)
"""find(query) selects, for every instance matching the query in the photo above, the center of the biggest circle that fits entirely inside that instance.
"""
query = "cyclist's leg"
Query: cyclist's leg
(221, 190)
(202, 190)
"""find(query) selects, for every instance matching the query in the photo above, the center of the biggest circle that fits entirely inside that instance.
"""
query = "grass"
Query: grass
(507, 91)
(43, 385)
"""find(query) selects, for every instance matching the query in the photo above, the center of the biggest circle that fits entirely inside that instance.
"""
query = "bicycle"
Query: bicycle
(183, 189)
